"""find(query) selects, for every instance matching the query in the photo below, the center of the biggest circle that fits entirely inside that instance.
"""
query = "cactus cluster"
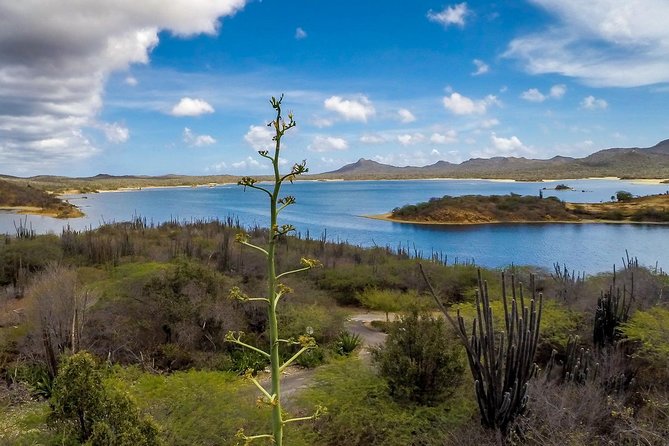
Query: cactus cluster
(613, 309)
(501, 361)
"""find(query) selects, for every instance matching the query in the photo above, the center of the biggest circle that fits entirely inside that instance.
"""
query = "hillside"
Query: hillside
(651, 162)
(102, 182)
(27, 199)
(479, 209)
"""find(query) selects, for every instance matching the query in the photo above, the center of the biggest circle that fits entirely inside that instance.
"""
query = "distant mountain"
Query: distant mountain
(635, 162)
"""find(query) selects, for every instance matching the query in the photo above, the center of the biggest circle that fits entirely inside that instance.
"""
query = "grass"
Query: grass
(361, 412)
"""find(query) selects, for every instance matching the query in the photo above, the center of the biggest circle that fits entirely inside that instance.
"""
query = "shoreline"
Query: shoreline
(35, 210)
(387, 217)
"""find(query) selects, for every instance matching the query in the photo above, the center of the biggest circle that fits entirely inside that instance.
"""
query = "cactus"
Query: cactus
(579, 364)
(569, 284)
(613, 309)
(501, 363)
(275, 289)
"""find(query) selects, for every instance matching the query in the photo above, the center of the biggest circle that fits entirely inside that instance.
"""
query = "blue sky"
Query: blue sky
(154, 87)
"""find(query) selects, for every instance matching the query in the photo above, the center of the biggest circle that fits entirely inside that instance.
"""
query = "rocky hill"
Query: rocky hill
(651, 162)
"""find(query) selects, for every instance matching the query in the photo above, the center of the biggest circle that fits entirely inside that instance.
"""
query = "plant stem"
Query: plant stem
(277, 422)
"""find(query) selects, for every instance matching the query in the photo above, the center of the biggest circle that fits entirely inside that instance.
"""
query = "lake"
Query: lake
(338, 207)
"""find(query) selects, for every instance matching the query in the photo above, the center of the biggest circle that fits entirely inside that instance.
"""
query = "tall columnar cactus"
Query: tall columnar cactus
(613, 309)
(502, 363)
(275, 289)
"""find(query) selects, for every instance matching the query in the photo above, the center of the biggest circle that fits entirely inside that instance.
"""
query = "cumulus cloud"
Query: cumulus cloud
(462, 105)
(406, 116)
(191, 107)
(448, 137)
(358, 109)
(606, 43)
(481, 67)
(593, 103)
(327, 144)
(131, 80)
(534, 95)
(450, 15)
(194, 140)
(300, 34)
(249, 163)
(501, 146)
(410, 139)
(115, 132)
(259, 137)
(557, 91)
(56, 56)
(218, 167)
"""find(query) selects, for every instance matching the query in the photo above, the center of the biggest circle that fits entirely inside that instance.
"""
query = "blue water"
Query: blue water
(338, 208)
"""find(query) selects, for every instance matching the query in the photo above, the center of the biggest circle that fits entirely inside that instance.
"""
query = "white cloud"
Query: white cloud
(249, 163)
(533, 95)
(606, 43)
(327, 144)
(462, 105)
(448, 137)
(55, 58)
(557, 91)
(191, 107)
(194, 140)
(593, 103)
(260, 137)
(410, 139)
(131, 80)
(501, 146)
(481, 67)
(115, 132)
(406, 116)
(218, 167)
(373, 138)
(300, 34)
(358, 109)
(450, 15)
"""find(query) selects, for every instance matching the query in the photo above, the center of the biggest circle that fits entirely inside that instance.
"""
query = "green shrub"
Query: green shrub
(362, 413)
(89, 408)
(347, 342)
(388, 301)
(311, 358)
(650, 329)
(623, 195)
(419, 360)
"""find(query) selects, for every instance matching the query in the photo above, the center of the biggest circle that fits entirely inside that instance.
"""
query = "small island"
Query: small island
(514, 208)
(29, 200)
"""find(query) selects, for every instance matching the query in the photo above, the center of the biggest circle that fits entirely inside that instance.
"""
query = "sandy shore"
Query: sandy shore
(34, 210)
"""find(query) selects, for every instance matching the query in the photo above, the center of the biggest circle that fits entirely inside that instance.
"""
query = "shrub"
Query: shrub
(89, 408)
(623, 195)
(362, 413)
(347, 342)
(420, 362)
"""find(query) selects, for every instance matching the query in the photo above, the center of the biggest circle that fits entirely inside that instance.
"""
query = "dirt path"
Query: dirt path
(297, 378)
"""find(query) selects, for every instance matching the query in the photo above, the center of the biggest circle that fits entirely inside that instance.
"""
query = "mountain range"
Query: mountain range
(634, 162)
